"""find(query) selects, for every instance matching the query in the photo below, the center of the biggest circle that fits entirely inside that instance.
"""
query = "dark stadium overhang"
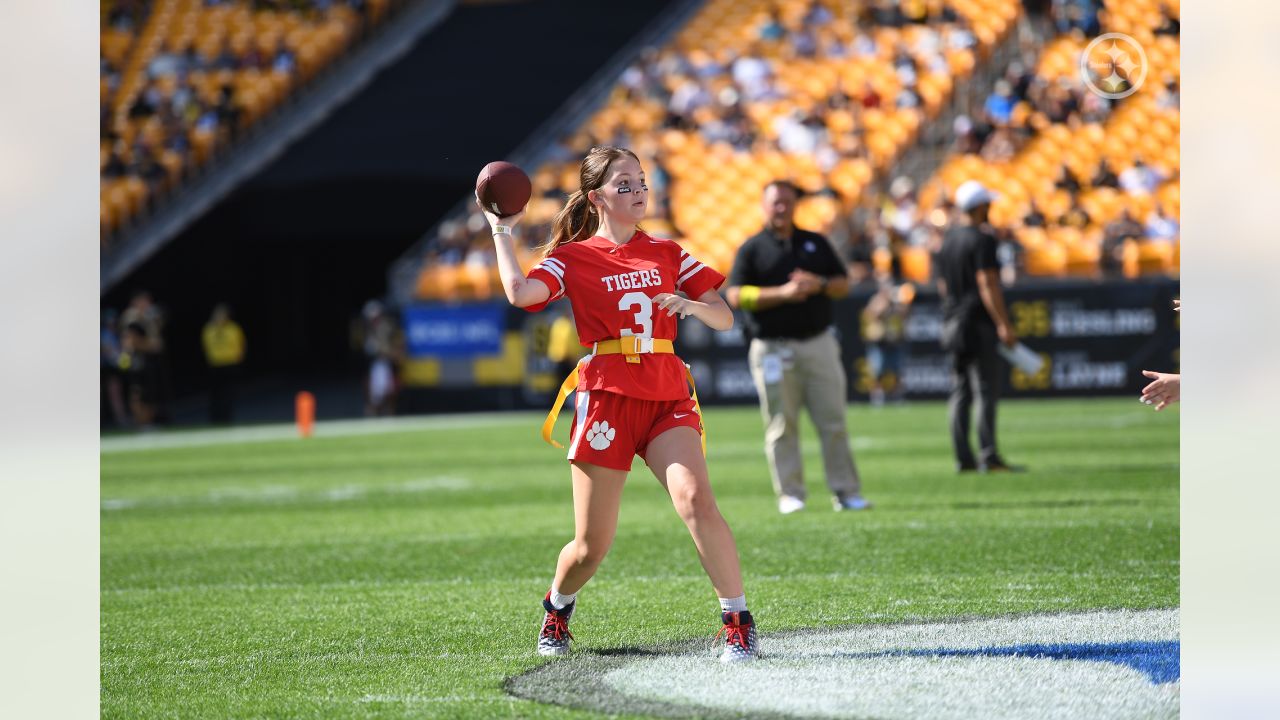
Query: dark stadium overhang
(268, 140)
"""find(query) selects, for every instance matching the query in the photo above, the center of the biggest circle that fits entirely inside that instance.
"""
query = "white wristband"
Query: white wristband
(501, 229)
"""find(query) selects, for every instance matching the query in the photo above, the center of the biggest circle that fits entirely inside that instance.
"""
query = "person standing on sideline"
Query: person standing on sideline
(109, 349)
(147, 353)
(382, 347)
(884, 321)
(974, 322)
(785, 278)
(224, 351)
(632, 392)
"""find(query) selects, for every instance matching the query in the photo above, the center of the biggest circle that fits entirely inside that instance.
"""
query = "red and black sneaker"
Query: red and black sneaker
(740, 637)
(555, 636)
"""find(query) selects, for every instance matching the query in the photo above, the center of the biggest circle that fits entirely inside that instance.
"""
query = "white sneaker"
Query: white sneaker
(855, 502)
(788, 504)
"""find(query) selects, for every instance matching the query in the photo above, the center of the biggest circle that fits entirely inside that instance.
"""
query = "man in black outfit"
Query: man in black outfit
(974, 322)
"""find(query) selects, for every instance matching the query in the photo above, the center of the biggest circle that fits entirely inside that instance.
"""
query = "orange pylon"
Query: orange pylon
(305, 413)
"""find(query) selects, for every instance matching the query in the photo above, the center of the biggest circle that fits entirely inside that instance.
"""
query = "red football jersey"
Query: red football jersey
(611, 288)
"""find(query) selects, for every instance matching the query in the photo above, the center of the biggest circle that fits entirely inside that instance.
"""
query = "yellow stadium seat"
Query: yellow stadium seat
(1032, 237)
(882, 260)
(1145, 257)
(1082, 258)
(915, 264)
(1047, 260)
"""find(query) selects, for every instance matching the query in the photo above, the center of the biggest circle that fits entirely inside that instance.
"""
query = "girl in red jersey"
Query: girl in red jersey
(632, 391)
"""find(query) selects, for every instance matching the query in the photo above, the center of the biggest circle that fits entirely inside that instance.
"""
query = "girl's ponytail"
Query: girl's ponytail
(579, 220)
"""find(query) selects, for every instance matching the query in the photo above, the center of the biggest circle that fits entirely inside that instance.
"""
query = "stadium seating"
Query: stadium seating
(714, 188)
(221, 66)
(1138, 128)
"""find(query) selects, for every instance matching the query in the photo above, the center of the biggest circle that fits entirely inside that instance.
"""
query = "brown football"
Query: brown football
(504, 189)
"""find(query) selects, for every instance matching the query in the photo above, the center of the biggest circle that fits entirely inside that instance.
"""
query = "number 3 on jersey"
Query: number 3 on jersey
(644, 316)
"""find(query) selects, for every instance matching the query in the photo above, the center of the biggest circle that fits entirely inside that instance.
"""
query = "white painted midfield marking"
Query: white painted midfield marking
(280, 494)
(831, 675)
(424, 699)
(324, 429)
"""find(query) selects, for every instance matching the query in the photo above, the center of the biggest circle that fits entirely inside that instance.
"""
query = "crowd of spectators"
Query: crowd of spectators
(715, 94)
(1023, 104)
(188, 96)
(711, 92)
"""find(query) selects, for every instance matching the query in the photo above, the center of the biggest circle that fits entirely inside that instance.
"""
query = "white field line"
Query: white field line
(428, 699)
(352, 584)
(324, 429)
(375, 426)
(537, 580)
(284, 494)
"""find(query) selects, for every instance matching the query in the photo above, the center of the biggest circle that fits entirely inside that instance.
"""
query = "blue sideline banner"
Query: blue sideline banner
(1095, 338)
(453, 331)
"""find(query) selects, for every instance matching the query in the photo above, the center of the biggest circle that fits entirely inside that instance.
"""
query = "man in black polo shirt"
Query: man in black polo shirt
(785, 278)
(974, 323)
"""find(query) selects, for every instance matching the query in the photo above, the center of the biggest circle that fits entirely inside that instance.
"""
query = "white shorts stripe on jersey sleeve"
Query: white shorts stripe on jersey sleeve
(553, 266)
(555, 273)
(693, 271)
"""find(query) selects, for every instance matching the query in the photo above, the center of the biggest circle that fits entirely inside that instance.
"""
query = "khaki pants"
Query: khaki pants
(792, 373)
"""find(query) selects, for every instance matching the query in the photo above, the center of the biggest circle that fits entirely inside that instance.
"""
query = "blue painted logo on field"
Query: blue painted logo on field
(1160, 661)
(1096, 664)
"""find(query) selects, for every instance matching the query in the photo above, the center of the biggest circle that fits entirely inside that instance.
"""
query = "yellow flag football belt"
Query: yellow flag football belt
(632, 347)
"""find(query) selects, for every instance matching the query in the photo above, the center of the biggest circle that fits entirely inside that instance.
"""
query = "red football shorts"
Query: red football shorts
(609, 429)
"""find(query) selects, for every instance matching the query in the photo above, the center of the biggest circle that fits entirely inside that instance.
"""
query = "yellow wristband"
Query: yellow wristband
(748, 296)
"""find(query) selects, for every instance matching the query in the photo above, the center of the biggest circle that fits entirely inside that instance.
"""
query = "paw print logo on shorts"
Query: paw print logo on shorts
(600, 435)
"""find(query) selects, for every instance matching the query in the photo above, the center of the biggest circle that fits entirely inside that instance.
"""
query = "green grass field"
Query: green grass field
(399, 574)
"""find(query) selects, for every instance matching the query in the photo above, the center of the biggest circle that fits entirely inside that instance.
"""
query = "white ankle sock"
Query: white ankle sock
(561, 601)
(738, 604)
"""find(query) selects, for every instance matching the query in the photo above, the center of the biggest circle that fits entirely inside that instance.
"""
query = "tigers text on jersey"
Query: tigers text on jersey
(611, 288)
